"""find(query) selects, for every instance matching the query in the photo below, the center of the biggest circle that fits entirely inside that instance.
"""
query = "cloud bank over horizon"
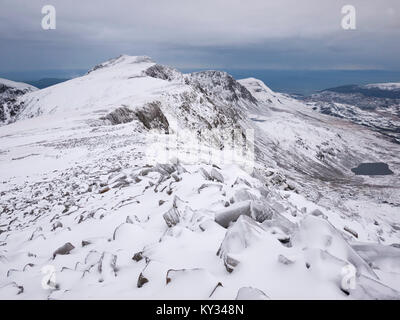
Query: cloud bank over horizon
(253, 34)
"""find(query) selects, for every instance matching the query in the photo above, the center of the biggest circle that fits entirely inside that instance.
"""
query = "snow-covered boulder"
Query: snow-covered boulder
(238, 237)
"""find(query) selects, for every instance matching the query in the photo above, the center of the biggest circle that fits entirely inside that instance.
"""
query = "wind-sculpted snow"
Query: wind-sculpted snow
(91, 237)
(128, 189)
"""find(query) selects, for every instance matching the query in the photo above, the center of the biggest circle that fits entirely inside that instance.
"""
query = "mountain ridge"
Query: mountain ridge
(137, 181)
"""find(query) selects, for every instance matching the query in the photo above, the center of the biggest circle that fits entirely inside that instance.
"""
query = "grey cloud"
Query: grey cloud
(277, 34)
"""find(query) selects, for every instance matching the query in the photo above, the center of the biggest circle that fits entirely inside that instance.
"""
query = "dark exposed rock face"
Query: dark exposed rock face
(120, 115)
(10, 106)
(163, 72)
(150, 115)
(221, 84)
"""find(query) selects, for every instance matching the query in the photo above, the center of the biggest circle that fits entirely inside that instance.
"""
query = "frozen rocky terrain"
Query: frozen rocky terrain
(136, 181)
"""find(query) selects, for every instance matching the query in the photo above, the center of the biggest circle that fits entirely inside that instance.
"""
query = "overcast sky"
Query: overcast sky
(252, 34)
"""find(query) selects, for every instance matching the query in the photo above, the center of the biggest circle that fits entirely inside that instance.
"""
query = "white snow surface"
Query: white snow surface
(86, 214)
(17, 85)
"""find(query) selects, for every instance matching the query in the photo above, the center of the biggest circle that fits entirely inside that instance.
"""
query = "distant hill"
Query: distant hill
(376, 106)
(371, 90)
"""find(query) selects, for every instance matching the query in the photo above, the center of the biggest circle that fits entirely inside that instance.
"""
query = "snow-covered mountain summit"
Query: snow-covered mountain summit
(259, 90)
(116, 184)
(200, 99)
(121, 62)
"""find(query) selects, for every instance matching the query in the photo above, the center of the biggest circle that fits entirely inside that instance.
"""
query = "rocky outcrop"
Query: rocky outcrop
(149, 115)
(10, 105)
(152, 117)
(220, 85)
(163, 72)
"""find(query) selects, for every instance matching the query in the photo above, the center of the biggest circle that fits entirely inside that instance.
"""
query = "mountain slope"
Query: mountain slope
(46, 82)
(137, 181)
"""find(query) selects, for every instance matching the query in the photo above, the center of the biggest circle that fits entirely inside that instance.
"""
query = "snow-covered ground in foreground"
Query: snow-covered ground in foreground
(87, 214)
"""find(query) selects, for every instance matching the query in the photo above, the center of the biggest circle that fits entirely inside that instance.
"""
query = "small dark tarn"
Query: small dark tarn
(372, 169)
